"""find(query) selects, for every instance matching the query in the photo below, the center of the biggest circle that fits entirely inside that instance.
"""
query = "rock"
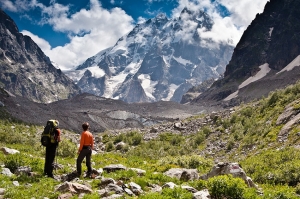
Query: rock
(287, 127)
(129, 192)
(229, 168)
(287, 114)
(23, 170)
(113, 196)
(2, 191)
(7, 172)
(153, 130)
(114, 167)
(140, 172)
(114, 188)
(65, 196)
(69, 177)
(183, 174)
(75, 188)
(105, 181)
(8, 151)
(189, 188)
(16, 183)
(204, 194)
(155, 188)
(120, 145)
(170, 185)
(135, 188)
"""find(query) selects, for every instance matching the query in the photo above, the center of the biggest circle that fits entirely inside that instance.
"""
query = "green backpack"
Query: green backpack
(48, 136)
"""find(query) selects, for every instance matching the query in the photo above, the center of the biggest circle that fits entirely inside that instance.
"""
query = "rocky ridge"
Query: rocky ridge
(26, 71)
(270, 44)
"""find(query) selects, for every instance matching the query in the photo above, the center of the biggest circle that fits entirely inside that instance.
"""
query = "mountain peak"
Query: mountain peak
(159, 59)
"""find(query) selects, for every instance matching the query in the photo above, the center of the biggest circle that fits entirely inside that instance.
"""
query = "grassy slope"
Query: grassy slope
(250, 134)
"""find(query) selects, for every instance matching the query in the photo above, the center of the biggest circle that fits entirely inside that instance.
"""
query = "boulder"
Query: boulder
(75, 188)
(204, 194)
(114, 167)
(229, 168)
(8, 151)
(183, 174)
(135, 188)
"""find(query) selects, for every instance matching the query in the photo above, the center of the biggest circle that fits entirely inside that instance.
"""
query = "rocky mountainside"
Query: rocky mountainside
(26, 71)
(265, 59)
(102, 113)
(159, 59)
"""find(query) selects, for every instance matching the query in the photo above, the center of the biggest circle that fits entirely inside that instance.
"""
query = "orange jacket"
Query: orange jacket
(86, 139)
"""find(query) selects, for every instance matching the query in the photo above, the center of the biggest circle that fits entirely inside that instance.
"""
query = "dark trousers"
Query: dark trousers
(49, 159)
(84, 153)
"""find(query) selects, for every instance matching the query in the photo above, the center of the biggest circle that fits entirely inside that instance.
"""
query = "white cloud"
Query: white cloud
(43, 44)
(95, 28)
(225, 29)
(90, 30)
(8, 5)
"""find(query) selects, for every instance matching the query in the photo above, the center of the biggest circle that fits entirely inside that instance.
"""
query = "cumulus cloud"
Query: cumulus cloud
(89, 30)
(93, 29)
(228, 29)
(43, 44)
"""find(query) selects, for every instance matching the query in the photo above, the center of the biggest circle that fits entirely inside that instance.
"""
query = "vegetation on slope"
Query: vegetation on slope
(250, 133)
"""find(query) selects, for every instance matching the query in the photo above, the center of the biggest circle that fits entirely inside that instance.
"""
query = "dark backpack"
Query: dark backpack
(49, 135)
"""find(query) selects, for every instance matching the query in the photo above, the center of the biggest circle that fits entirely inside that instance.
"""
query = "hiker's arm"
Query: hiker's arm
(58, 134)
(92, 143)
(81, 142)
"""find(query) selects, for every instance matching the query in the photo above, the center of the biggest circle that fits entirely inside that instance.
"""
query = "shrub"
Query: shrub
(110, 146)
(199, 138)
(12, 162)
(226, 186)
(136, 139)
(67, 148)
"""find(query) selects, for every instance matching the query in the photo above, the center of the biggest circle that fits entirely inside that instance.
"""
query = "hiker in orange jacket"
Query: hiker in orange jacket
(85, 149)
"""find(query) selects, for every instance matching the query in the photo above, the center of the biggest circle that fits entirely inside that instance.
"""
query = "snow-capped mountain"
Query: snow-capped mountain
(159, 59)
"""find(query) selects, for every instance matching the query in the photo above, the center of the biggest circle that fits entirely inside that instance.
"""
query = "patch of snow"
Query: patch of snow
(75, 75)
(96, 71)
(182, 61)
(264, 70)
(147, 84)
(172, 90)
(270, 31)
(112, 84)
(231, 96)
(8, 59)
(290, 66)
(167, 60)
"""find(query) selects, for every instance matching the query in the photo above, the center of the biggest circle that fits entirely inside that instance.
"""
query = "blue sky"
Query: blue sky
(70, 31)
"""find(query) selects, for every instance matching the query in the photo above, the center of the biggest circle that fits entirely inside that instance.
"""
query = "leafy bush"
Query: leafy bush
(12, 162)
(110, 146)
(226, 186)
(278, 167)
(67, 148)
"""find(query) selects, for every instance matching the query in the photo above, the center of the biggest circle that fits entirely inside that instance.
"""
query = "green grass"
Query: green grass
(251, 139)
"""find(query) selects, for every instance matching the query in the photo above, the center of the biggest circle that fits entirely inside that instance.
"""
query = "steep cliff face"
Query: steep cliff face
(270, 43)
(158, 60)
(26, 71)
